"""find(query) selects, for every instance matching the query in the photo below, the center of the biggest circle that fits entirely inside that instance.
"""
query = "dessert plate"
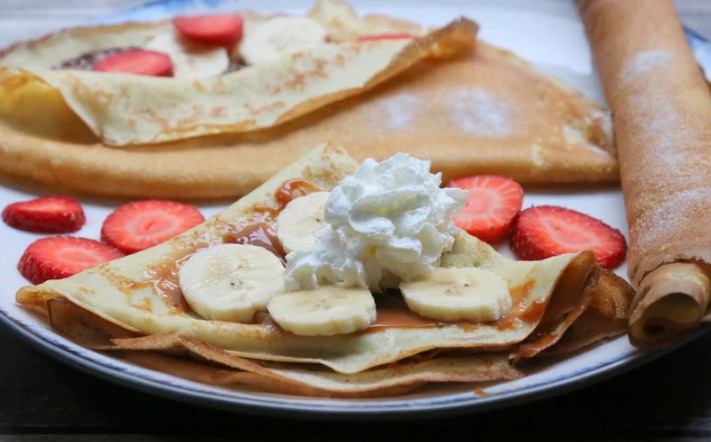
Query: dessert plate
(550, 35)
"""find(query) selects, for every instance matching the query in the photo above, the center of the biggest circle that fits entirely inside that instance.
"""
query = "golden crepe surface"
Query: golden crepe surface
(484, 112)
(134, 305)
(662, 115)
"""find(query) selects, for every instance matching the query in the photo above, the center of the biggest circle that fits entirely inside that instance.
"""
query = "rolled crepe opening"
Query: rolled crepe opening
(661, 109)
(670, 300)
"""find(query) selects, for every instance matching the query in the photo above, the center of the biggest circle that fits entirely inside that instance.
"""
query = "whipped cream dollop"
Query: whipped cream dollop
(389, 222)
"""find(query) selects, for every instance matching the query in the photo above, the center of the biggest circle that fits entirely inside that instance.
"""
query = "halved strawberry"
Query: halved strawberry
(544, 231)
(48, 214)
(387, 36)
(492, 204)
(214, 29)
(62, 256)
(137, 61)
(143, 224)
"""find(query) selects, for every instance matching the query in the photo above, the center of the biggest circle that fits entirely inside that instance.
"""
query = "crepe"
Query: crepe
(662, 109)
(484, 112)
(136, 304)
(123, 109)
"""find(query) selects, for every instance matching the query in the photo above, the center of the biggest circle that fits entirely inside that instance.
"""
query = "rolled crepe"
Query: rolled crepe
(662, 117)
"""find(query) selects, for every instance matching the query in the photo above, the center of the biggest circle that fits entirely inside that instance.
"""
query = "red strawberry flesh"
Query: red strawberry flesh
(62, 256)
(545, 231)
(139, 62)
(48, 214)
(213, 29)
(143, 224)
(492, 204)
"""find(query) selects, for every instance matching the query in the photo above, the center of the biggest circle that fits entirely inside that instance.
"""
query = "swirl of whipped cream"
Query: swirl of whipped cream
(389, 222)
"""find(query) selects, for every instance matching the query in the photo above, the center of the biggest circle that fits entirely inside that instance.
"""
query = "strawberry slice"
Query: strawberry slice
(544, 231)
(62, 256)
(216, 29)
(48, 214)
(387, 36)
(492, 204)
(143, 224)
(137, 61)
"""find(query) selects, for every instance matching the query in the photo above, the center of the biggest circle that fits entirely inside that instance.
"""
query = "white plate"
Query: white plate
(549, 34)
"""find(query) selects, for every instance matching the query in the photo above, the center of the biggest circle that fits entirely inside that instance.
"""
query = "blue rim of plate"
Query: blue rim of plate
(255, 403)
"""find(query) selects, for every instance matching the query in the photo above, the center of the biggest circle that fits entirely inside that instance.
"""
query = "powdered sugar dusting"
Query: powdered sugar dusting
(573, 135)
(480, 113)
(537, 156)
(606, 118)
(645, 62)
(669, 170)
(396, 113)
(593, 133)
(668, 139)
(658, 224)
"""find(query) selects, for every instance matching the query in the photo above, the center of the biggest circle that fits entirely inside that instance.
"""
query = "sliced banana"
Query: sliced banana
(326, 311)
(300, 219)
(230, 282)
(190, 60)
(280, 36)
(459, 294)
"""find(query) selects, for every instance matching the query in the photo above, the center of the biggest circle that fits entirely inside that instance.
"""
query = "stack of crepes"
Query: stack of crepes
(662, 117)
(468, 106)
(135, 305)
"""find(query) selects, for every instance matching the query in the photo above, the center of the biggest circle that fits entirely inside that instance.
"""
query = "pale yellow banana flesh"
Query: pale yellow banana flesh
(459, 294)
(281, 36)
(230, 282)
(325, 311)
(299, 221)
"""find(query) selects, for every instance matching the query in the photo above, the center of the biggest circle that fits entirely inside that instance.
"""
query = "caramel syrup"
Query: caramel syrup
(257, 229)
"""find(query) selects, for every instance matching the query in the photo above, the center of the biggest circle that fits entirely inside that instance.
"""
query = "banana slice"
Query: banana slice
(459, 294)
(281, 36)
(326, 311)
(190, 60)
(300, 219)
(230, 282)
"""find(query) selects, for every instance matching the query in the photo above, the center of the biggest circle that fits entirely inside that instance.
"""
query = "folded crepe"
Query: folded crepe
(484, 111)
(662, 113)
(123, 109)
(135, 305)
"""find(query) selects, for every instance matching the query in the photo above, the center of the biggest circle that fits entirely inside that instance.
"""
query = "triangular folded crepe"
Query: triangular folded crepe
(137, 300)
(484, 112)
(136, 109)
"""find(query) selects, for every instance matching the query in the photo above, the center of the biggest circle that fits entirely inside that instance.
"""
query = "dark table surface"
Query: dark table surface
(41, 399)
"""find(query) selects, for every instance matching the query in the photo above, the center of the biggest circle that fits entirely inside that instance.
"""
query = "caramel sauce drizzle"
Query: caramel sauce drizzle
(392, 312)
(259, 229)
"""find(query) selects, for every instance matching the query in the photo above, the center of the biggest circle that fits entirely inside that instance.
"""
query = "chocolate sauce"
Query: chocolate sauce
(87, 60)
